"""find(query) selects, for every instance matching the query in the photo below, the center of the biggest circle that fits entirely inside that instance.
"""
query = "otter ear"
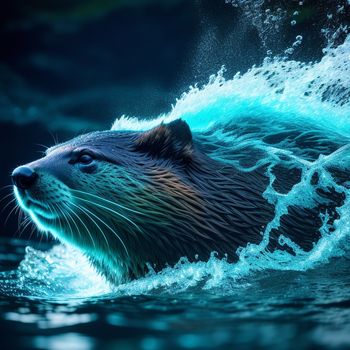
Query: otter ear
(173, 140)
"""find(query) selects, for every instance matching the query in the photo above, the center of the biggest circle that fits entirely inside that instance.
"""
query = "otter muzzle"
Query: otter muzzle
(24, 177)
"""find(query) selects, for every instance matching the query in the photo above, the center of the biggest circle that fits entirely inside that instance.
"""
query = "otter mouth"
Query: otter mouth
(35, 206)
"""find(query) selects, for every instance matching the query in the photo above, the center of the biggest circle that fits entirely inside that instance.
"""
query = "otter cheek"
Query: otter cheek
(88, 168)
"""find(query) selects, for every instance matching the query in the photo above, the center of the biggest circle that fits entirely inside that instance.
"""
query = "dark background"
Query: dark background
(68, 67)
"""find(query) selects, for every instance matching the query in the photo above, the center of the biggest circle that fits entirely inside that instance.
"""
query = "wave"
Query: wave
(316, 92)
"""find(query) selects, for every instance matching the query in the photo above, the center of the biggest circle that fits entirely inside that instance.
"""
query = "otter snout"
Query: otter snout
(24, 177)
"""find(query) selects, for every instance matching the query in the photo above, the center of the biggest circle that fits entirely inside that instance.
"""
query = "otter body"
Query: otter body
(134, 200)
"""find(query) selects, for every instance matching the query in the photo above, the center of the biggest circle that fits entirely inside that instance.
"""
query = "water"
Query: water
(54, 299)
(269, 308)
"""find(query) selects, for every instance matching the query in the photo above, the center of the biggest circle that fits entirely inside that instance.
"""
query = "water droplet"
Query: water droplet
(293, 23)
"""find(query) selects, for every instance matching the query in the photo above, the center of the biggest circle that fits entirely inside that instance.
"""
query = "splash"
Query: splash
(283, 90)
(57, 274)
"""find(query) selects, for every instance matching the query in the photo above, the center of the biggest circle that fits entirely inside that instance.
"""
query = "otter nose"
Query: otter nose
(24, 177)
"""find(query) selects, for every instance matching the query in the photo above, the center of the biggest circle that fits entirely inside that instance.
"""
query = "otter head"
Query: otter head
(117, 196)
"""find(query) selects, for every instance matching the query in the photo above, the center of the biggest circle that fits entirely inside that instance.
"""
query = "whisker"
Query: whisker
(59, 222)
(111, 210)
(65, 215)
(41, 237)
(84, 210)
(45, 233)
(108, 201)
(54, 137)
(18, 210)
(25, 221)
(8, 195)
(111, 229)
(41, 145)
(11, 212)
(87, 230)
(75, 224)
(5, 187)
(32, 232)
(20, 216)
(20, 222)
(9, 203)
(24, 227)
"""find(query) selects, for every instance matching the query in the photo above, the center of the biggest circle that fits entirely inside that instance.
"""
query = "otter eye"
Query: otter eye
(85, 159)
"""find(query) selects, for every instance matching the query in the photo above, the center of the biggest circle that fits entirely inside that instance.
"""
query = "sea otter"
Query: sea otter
(133, 201)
